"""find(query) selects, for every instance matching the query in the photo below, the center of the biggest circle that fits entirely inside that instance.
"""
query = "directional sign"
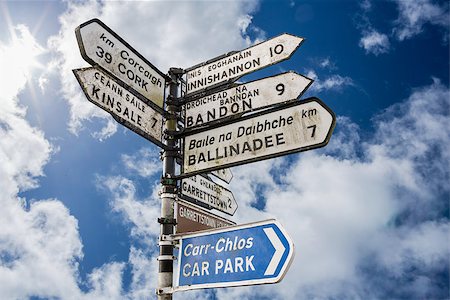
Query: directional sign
(99, 45)
(108, 94)
(209, 194)
(256, 253)
(223, 174)
(192, 218)
(230, 67)
(244, 98)
(301, 126)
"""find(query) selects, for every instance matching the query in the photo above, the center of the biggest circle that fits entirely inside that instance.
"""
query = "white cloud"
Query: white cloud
(43, 82)
(107, 131)
(375, 42)
(327, 63)
(366, 5)
(413, 15)
(412, 18)
(40, 245)
(359, 211)
(334, 82)
(39, 241)
(145, 162)
(364, 214)
(106, 282)
(141, 214)
(167, 35)
(353, 209)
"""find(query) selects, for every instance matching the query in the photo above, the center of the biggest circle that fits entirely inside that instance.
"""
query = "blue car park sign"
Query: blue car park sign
(255, 253)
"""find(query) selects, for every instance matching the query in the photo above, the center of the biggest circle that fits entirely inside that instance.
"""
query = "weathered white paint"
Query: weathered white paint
(100, 46)
(242, 62)
(105, 92)
(210, 193)
(304, 126)
(246, 97)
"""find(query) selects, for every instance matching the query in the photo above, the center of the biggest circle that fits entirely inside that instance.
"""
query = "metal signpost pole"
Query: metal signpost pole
(168, 193)
(216, 135)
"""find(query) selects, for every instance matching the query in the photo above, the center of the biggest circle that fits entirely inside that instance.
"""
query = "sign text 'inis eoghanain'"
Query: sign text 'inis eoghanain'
(206, 192)
(101, 46)
(246, 97)
(108, 94)
(301, 126)
(230, 67)
(256, 253)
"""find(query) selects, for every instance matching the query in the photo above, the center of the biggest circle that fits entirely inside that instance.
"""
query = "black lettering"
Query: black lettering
(280, 139)
(95, 91)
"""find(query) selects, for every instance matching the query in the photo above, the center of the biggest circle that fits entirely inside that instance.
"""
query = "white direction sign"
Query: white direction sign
(208, 193)
(256, 253)
(244, 98)
(301, 126)
(99, 45)
(105, 92)
(232, 66)
(223, 174)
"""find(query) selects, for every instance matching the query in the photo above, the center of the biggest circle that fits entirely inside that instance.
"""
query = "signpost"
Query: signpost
(230, 67)
(246, 97)
(223, 174)
(191, 218)
(212, 251)
(301, 126)
(256, 253)
(105, 92)
(208, 193)
(101, 46)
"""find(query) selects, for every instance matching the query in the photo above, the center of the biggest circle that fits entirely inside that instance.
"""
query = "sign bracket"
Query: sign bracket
(174, 133)
(165, 291)
(178, 102)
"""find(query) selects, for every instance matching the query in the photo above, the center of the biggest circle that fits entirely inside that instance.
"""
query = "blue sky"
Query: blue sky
(368, 214)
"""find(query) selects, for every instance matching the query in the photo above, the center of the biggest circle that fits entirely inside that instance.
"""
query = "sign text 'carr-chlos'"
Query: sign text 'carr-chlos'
(256, 253)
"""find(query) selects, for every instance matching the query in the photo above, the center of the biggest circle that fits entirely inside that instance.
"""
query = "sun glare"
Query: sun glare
(18, 59)
(24, 50)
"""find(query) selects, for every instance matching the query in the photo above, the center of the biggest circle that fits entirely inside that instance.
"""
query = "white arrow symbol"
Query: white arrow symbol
(279, 250)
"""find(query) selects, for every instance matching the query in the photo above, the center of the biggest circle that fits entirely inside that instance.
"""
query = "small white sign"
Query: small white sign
(237, 64)
(245, 98)
(105, 92)
(302, 126)
(101, 46)
(223, 174)
(209, 193)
